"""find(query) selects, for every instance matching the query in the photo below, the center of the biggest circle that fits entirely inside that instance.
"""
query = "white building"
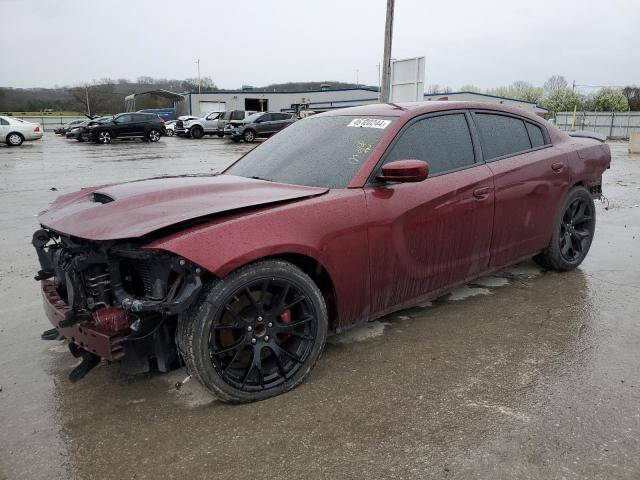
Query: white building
(195, 103)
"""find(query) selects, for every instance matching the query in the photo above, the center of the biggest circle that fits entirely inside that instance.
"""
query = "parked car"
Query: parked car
(14, 131)
(63, 129)
(170, 127)
(146, 126)
(341, 218)
(76, 133)
(232, 117)
(198, 127)
(260, 125)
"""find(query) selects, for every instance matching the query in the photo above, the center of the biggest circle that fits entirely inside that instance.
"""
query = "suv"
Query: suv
(146, 126)
(231, 117)
(260, 124)
(199, 127)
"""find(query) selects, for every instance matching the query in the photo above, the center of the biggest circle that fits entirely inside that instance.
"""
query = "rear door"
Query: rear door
(529, 176)
(429, 235)
(4, 129)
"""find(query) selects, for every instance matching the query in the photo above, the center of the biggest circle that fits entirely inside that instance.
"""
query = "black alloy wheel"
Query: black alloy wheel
(573, 232)
(257, 333)
(197, 132)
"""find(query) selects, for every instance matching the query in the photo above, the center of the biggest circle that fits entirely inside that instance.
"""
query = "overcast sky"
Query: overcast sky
(483, 42)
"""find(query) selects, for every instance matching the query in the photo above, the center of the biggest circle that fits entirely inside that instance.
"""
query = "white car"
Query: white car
(14, 131)
(170, 126)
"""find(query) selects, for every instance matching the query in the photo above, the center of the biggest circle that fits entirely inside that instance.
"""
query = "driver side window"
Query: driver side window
(444, 142)
(124, 119)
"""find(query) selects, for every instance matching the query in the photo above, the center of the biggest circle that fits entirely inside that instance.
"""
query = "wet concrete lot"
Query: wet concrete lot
(524, 374)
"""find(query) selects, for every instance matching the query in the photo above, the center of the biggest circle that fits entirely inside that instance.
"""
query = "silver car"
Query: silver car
(14, 131)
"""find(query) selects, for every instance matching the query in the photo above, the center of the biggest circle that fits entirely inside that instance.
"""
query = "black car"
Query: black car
(61, 130)
(75, 133)
(260, 125)
(146, 126)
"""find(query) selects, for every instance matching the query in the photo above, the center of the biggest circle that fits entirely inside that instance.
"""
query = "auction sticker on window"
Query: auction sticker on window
(369, 123)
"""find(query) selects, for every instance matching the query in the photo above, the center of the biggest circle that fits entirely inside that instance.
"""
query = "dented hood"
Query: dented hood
(134, 209)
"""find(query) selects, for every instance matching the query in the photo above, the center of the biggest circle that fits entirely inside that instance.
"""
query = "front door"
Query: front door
(430, 235)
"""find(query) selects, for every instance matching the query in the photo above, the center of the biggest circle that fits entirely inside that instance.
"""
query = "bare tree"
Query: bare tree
(555, 83)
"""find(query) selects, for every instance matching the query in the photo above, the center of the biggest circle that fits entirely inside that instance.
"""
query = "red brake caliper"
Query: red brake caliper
(285, 317)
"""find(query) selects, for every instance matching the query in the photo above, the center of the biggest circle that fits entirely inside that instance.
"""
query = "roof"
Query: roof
(272, 92)
(176, 97)
(416, 108)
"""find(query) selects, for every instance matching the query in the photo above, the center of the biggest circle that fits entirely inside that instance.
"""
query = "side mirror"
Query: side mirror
(404, 171)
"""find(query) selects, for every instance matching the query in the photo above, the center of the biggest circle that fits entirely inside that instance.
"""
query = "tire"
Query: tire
(103, 137)
(220, 134)
(235, 139)
(249, 136)
(14, 139)
(573, 232)
(197, 132)
(170, 132)
(154, 135)
(256, 333)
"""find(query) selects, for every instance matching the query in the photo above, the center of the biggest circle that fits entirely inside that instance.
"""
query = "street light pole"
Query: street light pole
(199, 82)
(385, 86)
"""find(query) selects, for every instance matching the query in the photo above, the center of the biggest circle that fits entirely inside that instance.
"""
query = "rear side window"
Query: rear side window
(501, 135)
(237, 115)
(444, 142)
(138, 117)
(3, 122)
(535, 135)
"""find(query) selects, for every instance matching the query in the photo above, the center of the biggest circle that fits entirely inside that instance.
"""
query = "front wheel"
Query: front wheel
(256, 333)
(170, 132)
(220, 134)
(103, 137)
(153, 135)
(197, 132)
(249, 136)
(572, 234)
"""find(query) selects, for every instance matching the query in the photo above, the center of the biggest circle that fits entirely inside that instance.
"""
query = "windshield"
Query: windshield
(317, 151)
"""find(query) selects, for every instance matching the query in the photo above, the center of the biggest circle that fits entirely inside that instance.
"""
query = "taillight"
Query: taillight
(37, 129)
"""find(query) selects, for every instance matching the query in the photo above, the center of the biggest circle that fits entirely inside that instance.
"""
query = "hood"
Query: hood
(134, 209)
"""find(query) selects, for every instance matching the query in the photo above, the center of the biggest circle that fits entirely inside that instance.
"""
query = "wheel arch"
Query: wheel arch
(17, 133)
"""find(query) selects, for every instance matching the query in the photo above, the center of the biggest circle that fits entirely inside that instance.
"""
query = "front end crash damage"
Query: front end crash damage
(114, 299)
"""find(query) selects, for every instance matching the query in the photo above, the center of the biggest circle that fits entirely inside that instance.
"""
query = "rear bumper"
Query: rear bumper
(87, 336)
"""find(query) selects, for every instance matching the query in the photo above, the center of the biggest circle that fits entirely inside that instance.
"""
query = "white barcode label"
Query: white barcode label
(369, 123)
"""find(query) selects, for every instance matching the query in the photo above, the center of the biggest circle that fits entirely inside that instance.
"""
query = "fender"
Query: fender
(302, 227)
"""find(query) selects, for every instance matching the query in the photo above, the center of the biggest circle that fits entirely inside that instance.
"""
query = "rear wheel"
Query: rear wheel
(14, 139)
(573, 232)
(103, 137)
(197, 132)
(255, 333)
(153, 135)
(220, 134)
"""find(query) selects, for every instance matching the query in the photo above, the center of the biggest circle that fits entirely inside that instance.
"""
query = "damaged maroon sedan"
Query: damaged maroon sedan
(339, 219)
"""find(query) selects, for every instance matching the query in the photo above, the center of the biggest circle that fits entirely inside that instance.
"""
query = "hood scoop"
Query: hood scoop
(99, 197)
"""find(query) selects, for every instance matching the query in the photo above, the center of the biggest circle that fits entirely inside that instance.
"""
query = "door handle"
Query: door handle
(481, 193)
(557, 167)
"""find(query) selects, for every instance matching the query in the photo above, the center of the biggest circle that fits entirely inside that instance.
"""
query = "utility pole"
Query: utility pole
(199, 82)
(386, 62)
(86, 91)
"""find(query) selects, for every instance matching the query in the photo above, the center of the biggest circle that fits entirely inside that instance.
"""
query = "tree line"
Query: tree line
(556, 95)
(107, 95)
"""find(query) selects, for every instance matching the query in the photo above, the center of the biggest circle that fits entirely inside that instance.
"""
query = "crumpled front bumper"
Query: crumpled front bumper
(92, 338)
